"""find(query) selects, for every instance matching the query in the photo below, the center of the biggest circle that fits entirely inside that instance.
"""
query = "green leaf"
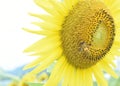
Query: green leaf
(114, 82)
(94, 84)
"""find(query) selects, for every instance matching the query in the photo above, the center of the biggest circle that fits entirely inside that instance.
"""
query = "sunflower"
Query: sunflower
(13, 83)
(43, 77)
(27, 78)
(81, 36)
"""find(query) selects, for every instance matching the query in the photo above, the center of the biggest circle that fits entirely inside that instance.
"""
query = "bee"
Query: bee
(85, 48)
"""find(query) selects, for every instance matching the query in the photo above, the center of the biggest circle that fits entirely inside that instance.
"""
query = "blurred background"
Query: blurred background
(13, 40)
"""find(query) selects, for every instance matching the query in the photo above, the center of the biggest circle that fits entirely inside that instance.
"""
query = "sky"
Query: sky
(13, 40)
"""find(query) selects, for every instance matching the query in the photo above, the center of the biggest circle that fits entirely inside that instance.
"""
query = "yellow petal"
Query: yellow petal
(72, 76)
(47, 26)
(59, 7)
(45, 51)
(113, 6)
(47, 61)
(42, 32)
(110, 59)
(117, 36)
(48, 18)
(46, 6)
(108, 3)
(99, 75)
(34, 63)
(108, 69)
(57, 72)
(117, 23)
(44, 44)
(87, 77)
(68, 3)
(67, 75)
(79, 78)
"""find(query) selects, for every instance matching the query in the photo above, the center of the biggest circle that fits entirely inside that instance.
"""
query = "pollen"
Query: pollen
(87, 33)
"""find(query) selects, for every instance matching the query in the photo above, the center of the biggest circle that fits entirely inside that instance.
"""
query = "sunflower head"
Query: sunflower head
(27, 78)
(87, 33)
(81, 36)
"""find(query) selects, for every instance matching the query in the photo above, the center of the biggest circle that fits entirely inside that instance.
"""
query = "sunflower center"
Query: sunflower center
(87, 33)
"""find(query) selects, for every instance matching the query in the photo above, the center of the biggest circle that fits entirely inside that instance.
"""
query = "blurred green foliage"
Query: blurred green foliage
(35, 84)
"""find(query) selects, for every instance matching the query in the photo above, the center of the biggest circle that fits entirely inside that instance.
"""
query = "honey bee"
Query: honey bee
(85, 48)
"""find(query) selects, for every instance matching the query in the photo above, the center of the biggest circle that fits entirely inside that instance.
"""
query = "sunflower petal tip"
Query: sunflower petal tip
(36, 1)
(26, 67)
(24, 51)
(25, 29)
(31, 14)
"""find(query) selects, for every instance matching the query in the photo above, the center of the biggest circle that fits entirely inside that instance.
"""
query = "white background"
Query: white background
(13, 40)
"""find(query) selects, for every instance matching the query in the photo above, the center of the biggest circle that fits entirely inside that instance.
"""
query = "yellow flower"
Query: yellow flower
(43, 77)
(27, 78)
(13, 83)
(82, 36)
(23, 84)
